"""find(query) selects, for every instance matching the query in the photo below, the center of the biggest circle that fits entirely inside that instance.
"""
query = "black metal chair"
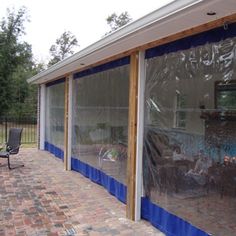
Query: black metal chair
(12, 146)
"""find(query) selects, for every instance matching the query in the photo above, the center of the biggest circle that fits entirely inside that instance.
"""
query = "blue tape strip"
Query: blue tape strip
(114, 187)
(59, 81)
(211, 36)
(110, 65)
(54, 150)
(168, 223)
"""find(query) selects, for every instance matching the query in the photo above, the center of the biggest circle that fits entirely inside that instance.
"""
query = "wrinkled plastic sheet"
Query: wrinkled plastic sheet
(55, 109)
(189, 159)
(100, 121)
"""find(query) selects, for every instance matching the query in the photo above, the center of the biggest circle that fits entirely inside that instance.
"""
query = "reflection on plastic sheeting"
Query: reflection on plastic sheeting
(189, 163)
(55, 109)
(100, 122)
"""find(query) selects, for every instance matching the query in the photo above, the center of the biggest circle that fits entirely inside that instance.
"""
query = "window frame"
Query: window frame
(179, 108)
(223, 86)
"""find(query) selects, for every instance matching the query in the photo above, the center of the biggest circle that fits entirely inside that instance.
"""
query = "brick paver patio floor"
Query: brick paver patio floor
(43, 199)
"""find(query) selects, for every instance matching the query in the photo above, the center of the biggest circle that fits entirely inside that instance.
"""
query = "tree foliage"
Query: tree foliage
(16, 63)
(63, 47)
(115, 21)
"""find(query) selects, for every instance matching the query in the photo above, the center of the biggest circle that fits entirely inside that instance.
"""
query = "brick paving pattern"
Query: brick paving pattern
(43, 199)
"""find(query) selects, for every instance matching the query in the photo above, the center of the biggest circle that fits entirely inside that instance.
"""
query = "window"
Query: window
(180, 112)
(225, 95)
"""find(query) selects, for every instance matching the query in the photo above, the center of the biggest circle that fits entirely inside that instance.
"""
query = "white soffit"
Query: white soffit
(168, 20)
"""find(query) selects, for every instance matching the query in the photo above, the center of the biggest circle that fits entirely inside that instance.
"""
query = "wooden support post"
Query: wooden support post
(131, 166)
(66, 123)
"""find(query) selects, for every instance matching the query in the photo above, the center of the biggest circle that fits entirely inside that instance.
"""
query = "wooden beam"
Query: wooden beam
(66, 123)
(131, 165)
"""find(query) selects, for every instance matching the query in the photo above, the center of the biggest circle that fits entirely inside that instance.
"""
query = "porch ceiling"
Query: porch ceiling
(175, 17)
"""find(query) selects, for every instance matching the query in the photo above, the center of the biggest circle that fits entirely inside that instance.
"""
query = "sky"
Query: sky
(85, 19)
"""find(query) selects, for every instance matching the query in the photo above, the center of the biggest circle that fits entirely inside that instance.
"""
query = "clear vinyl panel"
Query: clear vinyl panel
(55, 107)
(100, 121)
(189, 159)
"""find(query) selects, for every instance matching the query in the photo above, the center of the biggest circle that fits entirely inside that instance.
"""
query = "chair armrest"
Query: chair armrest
(15, 150)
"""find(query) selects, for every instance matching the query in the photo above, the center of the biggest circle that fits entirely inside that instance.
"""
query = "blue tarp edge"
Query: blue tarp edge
(211, 36)
(54, 150)
(107, 66)
(55, 82)
(168, 223)
(114, 187)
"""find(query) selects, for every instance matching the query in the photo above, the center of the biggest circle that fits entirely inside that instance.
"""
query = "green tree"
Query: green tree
(16, 64)
(12, 54)
(115, 21)
(25, 95)
(63, 47)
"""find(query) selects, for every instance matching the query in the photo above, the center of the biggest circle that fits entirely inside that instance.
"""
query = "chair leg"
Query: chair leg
(8, 162)
(9, 165)
(15, 167)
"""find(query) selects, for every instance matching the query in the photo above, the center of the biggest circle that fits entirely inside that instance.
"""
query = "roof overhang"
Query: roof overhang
(171, 19)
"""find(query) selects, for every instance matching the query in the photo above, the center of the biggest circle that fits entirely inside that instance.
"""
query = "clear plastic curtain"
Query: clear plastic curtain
(55, 107)
(100, 121)
(189, 159)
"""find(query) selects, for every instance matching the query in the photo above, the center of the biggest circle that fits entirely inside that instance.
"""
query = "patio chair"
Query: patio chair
(12, 146)
(116, 153)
